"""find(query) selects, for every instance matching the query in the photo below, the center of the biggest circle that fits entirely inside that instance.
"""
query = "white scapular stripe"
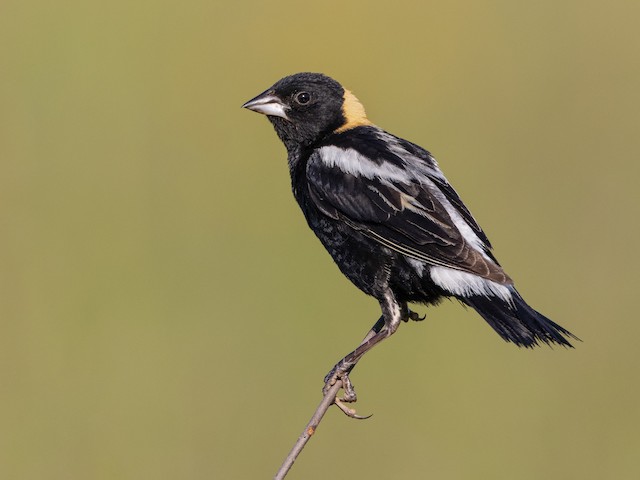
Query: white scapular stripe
(467, 284)
(350, 161)
(416, 165)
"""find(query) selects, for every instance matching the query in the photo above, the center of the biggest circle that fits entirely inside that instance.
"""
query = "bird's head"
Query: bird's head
(306, 107)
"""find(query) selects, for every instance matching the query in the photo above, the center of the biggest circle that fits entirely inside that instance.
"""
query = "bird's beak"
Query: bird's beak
(269, 104)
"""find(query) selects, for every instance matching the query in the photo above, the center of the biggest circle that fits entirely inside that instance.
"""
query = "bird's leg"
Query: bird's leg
(379, 325)
(392, 314)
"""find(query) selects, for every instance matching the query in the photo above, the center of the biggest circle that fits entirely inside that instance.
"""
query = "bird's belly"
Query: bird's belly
(372, 267)
(363, 261)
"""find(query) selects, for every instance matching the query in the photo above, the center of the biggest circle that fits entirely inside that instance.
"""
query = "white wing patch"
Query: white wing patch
(467, 284)
(350, 161)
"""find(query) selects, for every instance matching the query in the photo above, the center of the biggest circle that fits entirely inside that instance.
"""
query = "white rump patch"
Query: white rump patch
(467, 284)
(417, 265)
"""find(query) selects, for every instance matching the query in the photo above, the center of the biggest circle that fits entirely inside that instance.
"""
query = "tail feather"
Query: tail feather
(518, 322)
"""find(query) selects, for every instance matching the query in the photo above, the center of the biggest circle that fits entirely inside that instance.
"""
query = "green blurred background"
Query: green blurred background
(166, 314)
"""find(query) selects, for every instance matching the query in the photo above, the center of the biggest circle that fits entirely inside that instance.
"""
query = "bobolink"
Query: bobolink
(389, 218)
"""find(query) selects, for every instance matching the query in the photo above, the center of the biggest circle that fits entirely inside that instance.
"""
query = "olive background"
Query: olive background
(165, 312)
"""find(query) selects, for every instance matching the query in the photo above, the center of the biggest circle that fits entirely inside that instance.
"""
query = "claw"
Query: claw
(349, 412)
(415, 317)
(349, 392)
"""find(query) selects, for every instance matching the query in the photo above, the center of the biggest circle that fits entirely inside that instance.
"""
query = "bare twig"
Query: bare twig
(329, 398)
(309, 430)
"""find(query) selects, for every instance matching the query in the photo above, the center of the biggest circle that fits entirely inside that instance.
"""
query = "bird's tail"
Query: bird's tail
(517, 322)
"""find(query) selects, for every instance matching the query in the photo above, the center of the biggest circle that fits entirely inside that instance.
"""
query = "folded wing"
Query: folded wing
(394, 193)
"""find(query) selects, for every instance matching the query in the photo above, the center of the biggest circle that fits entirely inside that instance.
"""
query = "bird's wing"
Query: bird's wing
(393, 192)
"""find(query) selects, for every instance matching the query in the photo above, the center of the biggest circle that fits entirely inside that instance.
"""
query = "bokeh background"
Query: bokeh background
(166, 314)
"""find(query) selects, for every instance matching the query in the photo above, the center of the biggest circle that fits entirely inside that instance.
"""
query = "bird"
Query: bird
(390, 219)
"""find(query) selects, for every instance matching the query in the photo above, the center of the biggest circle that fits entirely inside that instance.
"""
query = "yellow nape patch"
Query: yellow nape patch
(353, 112)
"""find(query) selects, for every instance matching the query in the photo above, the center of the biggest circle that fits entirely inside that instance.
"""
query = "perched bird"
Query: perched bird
(389, 218)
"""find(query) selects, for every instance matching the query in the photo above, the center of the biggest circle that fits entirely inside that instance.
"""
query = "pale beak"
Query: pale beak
(268, 103)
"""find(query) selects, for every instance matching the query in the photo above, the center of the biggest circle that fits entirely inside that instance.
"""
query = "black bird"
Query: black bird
(389, 218)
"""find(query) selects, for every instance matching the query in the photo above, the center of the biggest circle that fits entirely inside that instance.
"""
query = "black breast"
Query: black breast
(369, 265)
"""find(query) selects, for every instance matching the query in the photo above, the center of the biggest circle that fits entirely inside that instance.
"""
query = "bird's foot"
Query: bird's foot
(341, 373)
(414, 316)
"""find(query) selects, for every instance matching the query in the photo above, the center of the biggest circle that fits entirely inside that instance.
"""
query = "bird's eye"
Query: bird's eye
(303, 98)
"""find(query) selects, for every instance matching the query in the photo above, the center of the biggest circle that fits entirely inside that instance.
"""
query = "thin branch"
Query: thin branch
(329, 399)
(309, 430)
